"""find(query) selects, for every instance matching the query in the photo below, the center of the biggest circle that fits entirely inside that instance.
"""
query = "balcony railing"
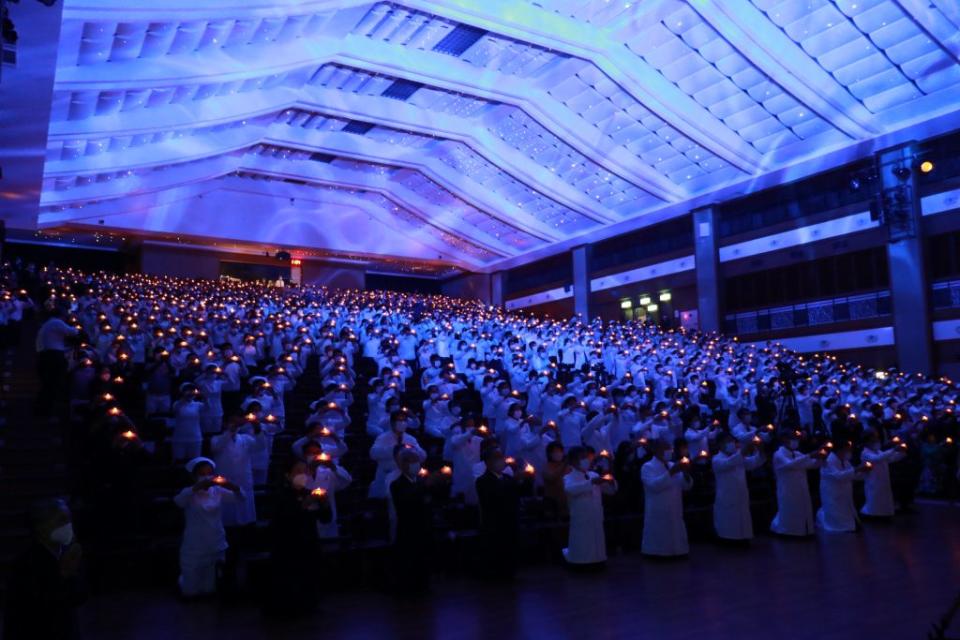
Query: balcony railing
(810, 314)
(946, 294)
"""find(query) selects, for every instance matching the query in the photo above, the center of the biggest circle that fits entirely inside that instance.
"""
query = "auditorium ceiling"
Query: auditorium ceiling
(479, 132)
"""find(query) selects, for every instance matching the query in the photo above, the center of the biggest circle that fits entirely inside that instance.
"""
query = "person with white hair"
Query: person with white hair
(204, 539)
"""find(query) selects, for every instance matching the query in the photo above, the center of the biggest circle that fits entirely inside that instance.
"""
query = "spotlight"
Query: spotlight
(902, 173)
(855, 184)
(652, 307)
(644, 300)
(926, 166)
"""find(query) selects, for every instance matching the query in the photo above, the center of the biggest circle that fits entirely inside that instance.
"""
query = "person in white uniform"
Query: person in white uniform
(382, 452)
(204, 539)
(794, 507)
(585, 489)
(187, 440)
(837, 512)
(731, 506)
(664, 481)
(233, 452)
(879, 503)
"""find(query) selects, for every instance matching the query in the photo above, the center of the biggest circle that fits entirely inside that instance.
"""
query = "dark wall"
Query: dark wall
(115, 261)
(179, 262)
(331, 275)
(255, 271)
(406, 284)
(470, 285)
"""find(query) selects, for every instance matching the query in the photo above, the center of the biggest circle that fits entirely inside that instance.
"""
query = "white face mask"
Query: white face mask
(299, 481)
(63, 535)
(413, 470)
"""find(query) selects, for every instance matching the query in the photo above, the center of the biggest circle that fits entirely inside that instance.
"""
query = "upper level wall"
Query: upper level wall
(470, 285)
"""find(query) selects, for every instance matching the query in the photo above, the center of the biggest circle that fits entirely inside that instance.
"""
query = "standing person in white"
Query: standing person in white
(664, 533)
(585, 488)
(879, 502)
(210, 385)
(731, 506)
(233, 452)
(794, 508)
(187, 440)
(837, 511)
(204, 539)
(382, 452)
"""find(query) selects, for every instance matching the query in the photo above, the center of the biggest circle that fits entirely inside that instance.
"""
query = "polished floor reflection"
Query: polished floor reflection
(891, 581)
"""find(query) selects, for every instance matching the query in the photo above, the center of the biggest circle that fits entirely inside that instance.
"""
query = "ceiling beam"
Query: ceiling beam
(535, 25)
(347, 145)
(185, 198)
(941, 25)
(321, 173)
(356, 147)
(429, 68)
(376, 109)
(750, 32)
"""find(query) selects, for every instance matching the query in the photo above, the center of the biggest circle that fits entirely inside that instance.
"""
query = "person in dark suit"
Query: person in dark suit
(294, 544)
(499, 495)
(45, 585)
(411, 501)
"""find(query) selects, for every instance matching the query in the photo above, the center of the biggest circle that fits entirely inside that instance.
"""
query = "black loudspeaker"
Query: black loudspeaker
(283, 256)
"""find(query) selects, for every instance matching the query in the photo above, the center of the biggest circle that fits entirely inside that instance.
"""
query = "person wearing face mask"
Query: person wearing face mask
(837, 511)
(383, 448)
(233, 452)
(585, 489)
(664, 481)
(434, 409)
(510, 432)
(411, 503)
(187, 436)
(571, 422)
(879, 502)
(45, 586)
(794, 508)
(731, 506)
(331, 478)
(462, 448)
(499, 498)
(204, 539)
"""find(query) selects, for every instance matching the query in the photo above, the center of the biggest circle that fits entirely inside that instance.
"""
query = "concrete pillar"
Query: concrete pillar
(496, 288)
(900, 214)
(581, 280)
(707, 267)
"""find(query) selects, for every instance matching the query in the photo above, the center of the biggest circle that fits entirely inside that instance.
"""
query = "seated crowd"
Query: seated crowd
(428, 415)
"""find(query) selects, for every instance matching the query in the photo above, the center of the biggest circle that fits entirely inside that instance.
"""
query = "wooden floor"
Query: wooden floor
(890, 581)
